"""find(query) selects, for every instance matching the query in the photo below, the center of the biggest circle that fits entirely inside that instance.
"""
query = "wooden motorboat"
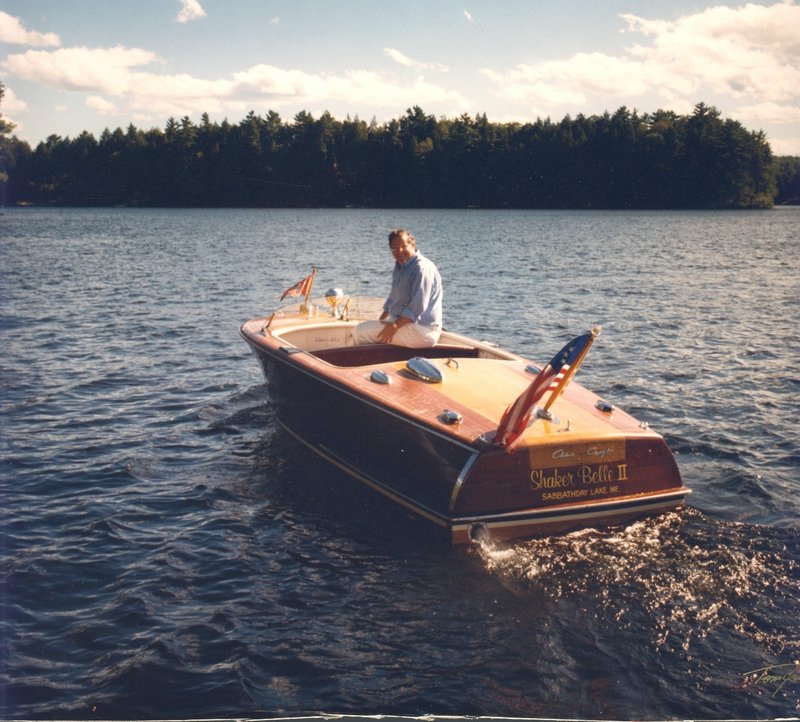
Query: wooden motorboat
(469, 437)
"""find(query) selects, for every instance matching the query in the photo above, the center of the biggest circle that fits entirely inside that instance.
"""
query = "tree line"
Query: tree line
(619, 160)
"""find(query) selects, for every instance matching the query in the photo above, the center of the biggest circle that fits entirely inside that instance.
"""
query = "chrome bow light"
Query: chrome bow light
(334, 297)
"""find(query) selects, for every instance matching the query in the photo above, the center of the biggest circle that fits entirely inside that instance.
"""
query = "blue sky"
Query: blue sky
(75, 65)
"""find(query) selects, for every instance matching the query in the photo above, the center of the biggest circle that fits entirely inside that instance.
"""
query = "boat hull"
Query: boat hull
(397, 441)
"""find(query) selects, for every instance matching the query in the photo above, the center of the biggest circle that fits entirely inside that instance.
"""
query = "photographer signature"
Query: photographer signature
(774, 675)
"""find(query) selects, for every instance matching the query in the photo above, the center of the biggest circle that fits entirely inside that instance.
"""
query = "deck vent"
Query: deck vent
(380, 377)
(423, 369)
(604, 406)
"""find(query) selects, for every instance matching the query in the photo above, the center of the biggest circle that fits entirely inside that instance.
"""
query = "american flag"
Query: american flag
(554, 376)
(301, 288)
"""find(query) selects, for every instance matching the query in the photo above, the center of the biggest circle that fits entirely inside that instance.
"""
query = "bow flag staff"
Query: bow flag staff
(302, 288)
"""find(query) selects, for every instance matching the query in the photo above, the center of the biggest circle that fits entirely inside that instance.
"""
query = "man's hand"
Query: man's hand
(390, 329)
(387, 333)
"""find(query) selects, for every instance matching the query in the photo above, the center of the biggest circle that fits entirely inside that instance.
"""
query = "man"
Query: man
(412, 314)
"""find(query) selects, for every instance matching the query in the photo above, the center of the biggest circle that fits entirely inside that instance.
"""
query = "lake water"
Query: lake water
(167, 552)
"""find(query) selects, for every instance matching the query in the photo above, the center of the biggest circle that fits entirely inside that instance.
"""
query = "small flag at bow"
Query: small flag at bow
(555, 376)
(301, 288)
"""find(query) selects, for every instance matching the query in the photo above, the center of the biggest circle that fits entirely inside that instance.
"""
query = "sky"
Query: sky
(70, 66)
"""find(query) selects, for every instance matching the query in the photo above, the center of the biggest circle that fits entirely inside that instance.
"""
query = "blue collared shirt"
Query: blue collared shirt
(416, 292)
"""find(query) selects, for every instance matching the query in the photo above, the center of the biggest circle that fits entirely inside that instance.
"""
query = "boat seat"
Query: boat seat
(381, 353)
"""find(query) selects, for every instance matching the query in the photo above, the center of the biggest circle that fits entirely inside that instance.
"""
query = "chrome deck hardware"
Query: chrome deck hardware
(451, 417)
(424, 370)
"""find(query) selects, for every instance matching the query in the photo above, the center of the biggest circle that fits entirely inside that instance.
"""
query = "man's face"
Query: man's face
(403, 249)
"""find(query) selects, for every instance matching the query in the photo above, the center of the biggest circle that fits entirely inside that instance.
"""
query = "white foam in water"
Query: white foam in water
(684, 584)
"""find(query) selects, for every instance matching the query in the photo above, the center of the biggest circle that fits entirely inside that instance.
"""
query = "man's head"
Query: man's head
(403, 245)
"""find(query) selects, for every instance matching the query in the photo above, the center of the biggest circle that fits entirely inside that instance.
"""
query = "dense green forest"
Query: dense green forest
(619, 160)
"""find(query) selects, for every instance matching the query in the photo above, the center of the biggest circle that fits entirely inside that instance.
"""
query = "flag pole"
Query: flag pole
(266, 326)
(311, 283)
(306, 308)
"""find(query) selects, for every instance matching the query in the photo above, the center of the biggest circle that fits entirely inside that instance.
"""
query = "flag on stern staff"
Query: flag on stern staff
(301, 288)
(555, 377)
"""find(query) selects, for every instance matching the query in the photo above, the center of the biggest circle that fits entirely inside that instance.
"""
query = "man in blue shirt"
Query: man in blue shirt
(412, 314)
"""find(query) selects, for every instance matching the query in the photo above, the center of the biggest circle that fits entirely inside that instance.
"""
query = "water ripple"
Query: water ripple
(167, 552)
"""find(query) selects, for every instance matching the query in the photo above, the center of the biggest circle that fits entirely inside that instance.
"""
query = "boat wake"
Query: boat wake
(681, 575)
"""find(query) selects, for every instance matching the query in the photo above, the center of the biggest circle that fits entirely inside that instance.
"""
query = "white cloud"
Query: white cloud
(468, 15)
(522, 86)
(785, 146)
(104, 70)
(751, 50)
(570, 81)
(190, 10)
(12, 31)
(276, 85)
(10, 106)
(746, 52)
(11, 103)
(101, 105)
(407, 62)
(774, 28)
(123, 73)
(770, 113)
(398, 57)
